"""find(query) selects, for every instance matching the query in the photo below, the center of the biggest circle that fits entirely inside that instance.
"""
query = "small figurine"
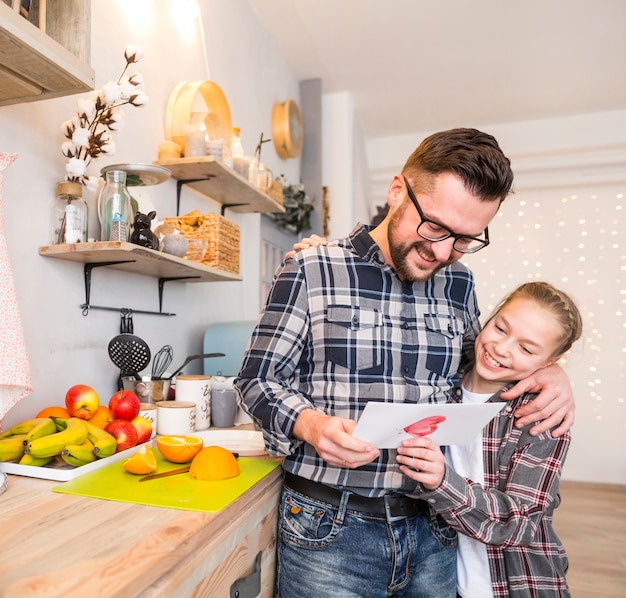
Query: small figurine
(142, 233)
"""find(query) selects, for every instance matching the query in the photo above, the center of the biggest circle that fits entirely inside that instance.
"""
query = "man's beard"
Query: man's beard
(400, 254)
(404, 268)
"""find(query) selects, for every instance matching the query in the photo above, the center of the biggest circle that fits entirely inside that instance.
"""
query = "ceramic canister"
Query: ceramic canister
(175, 418)
(196, 389)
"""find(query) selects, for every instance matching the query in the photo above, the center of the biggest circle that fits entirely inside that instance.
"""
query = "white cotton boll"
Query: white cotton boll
(111, 93)
(80, 138)
(75, 167)
(86, 108)
(133, 53)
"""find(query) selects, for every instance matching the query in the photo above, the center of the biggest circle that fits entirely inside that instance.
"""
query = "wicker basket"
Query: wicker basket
(222, 236)
(276, 192)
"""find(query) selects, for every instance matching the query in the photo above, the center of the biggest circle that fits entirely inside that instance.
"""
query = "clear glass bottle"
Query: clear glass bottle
(115, 201)
(240, 162)
(236, 148)
(70, 215)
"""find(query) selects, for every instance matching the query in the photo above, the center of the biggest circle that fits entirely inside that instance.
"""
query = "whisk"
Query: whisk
(162, 360)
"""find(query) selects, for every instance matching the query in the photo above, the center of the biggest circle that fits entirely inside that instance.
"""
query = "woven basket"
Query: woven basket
(222, 236)
(276, 192)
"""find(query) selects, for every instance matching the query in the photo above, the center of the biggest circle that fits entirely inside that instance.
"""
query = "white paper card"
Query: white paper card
(386, 425)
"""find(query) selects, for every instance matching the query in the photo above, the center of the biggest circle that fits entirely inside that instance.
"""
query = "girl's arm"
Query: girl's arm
(508, 517)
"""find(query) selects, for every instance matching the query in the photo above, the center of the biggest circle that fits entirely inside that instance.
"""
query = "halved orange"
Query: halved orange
(179, 449)
(102, 417)
(214, 463)
(54, 411)
(143, 461)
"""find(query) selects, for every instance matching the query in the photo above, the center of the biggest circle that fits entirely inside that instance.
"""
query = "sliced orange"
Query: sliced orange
(214, 463)
(143, 461)
(179, 449)
(54, 411)
(102, 417)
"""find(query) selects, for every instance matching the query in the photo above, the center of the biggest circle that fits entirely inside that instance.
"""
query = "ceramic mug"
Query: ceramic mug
(176, 418)
(223, 407)
(196, 389)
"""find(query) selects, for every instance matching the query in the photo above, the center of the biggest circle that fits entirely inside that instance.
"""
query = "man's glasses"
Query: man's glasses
(433, 231)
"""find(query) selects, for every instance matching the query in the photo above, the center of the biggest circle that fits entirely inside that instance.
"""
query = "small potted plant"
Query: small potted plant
(298, 207)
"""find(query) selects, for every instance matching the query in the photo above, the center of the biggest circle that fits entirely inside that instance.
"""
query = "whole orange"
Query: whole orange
(54, 411)
(102, 417)
(214, 463)
(179, 449)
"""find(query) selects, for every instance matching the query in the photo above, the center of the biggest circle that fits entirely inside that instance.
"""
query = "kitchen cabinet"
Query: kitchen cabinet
(64, 545)
(46, 60)
(222, 184)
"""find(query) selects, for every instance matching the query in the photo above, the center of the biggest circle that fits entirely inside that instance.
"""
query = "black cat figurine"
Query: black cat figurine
(142, 234)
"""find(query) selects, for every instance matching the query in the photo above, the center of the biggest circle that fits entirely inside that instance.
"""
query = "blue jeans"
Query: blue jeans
(331, 552)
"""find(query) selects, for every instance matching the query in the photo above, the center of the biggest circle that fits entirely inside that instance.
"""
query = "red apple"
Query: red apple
(81, 401)
(124, 432)
(125, 404)
(143, 427)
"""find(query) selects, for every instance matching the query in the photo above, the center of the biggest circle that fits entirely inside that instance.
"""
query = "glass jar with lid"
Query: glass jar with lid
(70, 214)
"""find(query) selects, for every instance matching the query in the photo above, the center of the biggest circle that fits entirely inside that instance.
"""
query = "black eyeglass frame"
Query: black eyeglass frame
(448, 233)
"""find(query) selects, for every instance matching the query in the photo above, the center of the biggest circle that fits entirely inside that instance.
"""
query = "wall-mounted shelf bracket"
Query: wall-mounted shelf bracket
(230, 205)
(179, 186)
(162, 282)
(87, 305)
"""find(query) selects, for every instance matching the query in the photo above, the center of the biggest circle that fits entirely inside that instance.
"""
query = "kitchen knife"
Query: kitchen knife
(165, 474)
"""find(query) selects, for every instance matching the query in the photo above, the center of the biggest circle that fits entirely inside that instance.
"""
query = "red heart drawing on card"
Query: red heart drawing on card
(425, 426)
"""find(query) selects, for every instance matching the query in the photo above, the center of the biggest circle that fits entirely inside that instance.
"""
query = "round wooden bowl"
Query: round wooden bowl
(193, 97)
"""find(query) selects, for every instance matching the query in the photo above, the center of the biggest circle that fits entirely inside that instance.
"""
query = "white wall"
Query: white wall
(565, 224)
(66, 348)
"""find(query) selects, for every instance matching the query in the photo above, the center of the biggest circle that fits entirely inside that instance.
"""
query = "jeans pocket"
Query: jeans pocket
(304, 522)
(446, 535)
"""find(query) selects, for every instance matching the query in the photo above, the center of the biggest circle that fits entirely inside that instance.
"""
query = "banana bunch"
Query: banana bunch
(22, 434)
(38, 441)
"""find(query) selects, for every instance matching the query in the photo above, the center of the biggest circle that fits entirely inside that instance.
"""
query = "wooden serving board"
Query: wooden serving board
(113, 482)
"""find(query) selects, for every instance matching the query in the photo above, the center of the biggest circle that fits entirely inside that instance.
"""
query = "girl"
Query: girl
(500, 493)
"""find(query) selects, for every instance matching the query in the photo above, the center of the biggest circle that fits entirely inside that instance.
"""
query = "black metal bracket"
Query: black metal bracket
(230, 205)
(162, 282)
(179, 186)
(181, 182)
(87, 305)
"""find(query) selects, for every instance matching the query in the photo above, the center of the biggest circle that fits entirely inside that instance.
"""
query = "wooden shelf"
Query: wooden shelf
(220, 183)
(33, 66)
(137, 259)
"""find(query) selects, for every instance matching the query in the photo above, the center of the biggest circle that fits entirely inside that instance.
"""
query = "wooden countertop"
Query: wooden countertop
(62, 545)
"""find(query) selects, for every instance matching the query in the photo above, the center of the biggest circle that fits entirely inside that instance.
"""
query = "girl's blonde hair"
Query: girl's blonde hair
(559, 303)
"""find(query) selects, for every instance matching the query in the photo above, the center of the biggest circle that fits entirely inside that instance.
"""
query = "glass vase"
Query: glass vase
(70, 214)
(116, 207)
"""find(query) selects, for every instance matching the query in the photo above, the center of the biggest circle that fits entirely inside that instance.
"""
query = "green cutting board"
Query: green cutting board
(113, 482)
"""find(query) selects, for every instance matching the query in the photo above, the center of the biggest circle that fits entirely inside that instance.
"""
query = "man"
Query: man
(384, 315)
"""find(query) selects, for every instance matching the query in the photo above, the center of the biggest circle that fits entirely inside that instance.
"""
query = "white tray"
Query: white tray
(247, 443)
(62, 472)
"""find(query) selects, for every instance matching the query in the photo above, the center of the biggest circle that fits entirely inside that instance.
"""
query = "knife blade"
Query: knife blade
(164, 474)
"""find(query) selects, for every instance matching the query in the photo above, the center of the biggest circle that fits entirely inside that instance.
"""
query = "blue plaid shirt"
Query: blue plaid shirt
(340, 329)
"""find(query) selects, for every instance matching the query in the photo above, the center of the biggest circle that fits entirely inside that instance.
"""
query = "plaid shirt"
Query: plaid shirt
(340, 329)
(512, 513)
